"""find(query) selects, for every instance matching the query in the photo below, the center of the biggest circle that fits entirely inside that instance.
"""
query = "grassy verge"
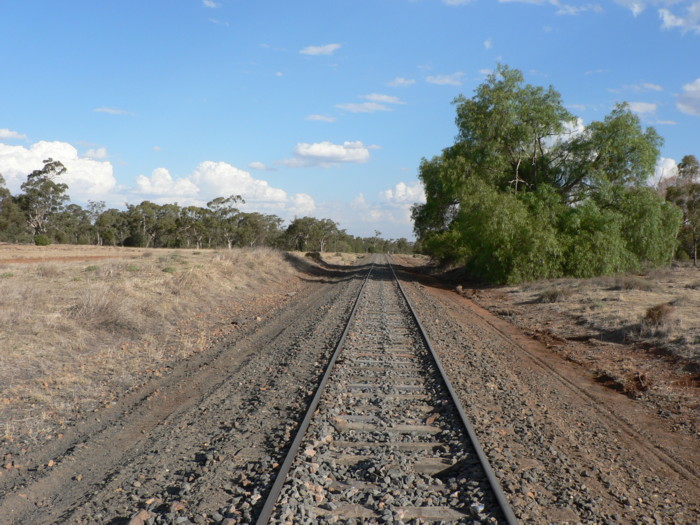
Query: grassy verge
(75, 335)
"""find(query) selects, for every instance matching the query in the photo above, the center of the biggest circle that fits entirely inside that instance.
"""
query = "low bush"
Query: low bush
(42, 240)
(553, 295)
(632, 282)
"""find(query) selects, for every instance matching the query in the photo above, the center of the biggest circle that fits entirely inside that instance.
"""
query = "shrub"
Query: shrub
(631, 282)
(658, 319)
(553, 295)
(92, 268)
(42, 240)
(169, 269)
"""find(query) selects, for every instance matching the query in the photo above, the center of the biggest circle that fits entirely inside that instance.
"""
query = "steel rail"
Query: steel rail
(266, 512)
(483, 459)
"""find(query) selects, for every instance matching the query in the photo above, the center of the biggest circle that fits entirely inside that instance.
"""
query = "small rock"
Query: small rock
(141, 517)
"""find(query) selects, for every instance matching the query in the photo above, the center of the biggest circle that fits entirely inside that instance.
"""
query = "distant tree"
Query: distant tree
(224, 217)
(257, 229)
(113, 227)
(94, 210)
(71, 225)
(684, 192)
(43, 196)
(13, 224)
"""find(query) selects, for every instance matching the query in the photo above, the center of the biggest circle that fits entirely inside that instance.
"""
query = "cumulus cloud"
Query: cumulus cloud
(328, 49)
(96, 153)
(327, 154)
(161, 183)
(321, 118)
(643, 108)
(402, 82)
(689, 101)
(488, 43)
(393, 207)
(665, 168)
(403, 194)
(6, 134)
(210, 3)
(212, 179)
(455, 79)
(87, 179)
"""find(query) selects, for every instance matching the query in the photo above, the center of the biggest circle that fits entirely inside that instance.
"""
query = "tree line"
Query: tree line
(526, 192)
(42, 214)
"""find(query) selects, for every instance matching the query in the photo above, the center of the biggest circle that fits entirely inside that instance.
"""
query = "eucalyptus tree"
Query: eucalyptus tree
(43, 196)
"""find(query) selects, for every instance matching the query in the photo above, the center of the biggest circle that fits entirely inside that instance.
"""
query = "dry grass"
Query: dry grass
(75, 332)
(659, 308)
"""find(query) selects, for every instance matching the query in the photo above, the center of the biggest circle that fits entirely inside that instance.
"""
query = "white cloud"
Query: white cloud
(260, 166)
(87, 179)
(455, 79)
(643, 108)
(404, 194)
(220, 179)
(111, 111)
(96, 153)
(665, 168)
(363, 107)
(402, 82)
(688, 22)
(9, 134)
(567, 9)
(689, 101)
(161, 183)
(301, 204)
(488, 43)
(457, 2)
(210, 3)
(327, 154)
(386, 99)
(328, 49)
(321, 118)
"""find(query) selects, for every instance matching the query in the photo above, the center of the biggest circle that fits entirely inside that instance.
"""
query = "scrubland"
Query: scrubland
(81, 325)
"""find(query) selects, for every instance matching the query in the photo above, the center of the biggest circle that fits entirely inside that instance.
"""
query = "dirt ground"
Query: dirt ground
(197, 435)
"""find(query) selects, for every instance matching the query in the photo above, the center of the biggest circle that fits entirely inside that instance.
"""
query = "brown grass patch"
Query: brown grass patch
(74, 335)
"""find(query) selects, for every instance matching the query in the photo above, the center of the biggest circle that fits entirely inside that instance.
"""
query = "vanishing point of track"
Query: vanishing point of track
(385, 439)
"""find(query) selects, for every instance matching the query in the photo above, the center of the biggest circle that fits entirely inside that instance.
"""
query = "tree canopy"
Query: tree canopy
(528, 192)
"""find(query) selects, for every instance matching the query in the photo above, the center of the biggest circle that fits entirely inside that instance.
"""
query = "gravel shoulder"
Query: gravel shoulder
(566, 447)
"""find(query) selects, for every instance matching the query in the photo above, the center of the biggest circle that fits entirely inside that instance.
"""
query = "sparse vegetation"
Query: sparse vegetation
(658, 319)
(554, 294)
(633, 282)
(72, 343)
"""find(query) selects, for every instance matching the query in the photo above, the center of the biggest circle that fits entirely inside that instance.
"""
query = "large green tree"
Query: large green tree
(528, 192)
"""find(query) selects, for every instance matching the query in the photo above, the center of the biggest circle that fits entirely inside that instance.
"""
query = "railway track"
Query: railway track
(385, 440)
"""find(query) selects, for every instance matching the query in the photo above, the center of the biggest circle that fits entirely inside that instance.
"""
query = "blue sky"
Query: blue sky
(318, 107)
